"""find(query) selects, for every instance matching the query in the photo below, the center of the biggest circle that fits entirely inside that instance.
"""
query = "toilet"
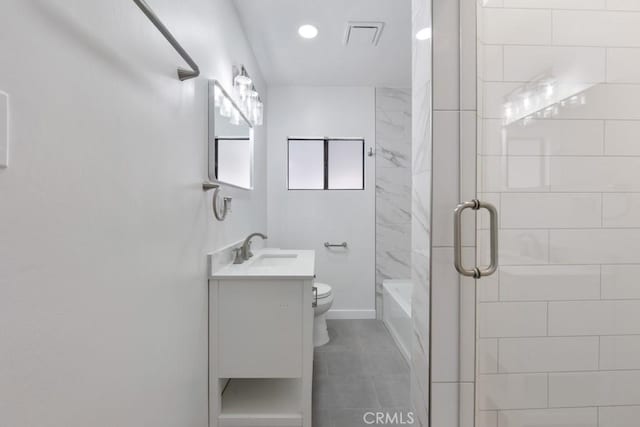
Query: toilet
(325, 299)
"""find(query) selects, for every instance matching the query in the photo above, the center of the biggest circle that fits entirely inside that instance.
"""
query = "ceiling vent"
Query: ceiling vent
(363, 33)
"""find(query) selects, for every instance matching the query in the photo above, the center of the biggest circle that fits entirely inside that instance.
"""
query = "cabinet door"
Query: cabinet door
(260, 329)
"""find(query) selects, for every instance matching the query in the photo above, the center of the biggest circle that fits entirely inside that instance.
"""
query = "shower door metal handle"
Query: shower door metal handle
(475, 272)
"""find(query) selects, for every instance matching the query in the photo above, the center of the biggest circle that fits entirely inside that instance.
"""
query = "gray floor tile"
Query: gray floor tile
(359, 370)
(352, 417)
(344, 392)
(393, 391)
(347, 363)
(341, 336)
(322, 418)
(320, 366)
(371, 416)
(376, 342)
(386, 363)
(363, 328)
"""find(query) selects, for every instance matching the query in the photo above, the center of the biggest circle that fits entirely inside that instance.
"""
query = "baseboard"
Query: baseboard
(351, 314)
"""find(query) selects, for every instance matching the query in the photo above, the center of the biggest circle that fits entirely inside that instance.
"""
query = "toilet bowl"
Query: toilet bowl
(324, 301)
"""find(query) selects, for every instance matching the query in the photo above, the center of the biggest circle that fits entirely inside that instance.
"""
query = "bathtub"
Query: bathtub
(396, 312)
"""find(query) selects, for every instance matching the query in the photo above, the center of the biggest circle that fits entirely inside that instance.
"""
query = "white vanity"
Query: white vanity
(260, 340)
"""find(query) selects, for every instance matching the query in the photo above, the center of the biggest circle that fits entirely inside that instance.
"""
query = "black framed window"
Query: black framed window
(325, 164)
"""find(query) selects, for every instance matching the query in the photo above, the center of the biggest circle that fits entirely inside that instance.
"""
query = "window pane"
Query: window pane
(234, 161)
(306, 164)
(346, 163)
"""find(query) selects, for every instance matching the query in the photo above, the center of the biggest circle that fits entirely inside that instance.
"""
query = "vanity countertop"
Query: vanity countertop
(271, 264)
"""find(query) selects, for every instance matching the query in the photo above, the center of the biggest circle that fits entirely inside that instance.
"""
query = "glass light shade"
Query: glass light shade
(258, 113)
(226, 108)
(235, 117)
(250, 103)
(217, 98)
(242, 84)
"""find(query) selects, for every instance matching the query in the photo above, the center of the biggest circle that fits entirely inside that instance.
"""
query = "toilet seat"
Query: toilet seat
(324, 290)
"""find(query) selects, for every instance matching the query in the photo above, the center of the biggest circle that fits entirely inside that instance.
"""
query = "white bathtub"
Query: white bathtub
(396, 312)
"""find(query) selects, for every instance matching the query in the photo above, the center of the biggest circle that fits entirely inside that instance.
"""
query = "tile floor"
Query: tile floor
(361, 370)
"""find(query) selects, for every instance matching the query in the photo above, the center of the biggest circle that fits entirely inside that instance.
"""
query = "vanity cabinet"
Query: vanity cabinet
(261, 343)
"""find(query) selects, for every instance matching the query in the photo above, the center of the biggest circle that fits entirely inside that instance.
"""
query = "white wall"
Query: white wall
(306, 219)
(103, 225)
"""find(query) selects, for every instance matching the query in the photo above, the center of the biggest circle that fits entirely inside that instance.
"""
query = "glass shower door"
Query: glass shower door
(558, 154)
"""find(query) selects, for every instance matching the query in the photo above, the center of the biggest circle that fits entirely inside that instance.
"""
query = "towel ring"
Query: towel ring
(226, 201)
(226, 205)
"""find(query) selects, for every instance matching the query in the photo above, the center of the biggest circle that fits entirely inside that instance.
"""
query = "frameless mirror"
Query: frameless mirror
(230, 140)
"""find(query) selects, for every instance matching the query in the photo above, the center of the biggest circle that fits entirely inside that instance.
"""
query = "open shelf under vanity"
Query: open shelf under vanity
(265, 402)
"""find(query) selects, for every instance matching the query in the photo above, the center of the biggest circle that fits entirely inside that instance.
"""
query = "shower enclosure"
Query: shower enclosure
(558, 155)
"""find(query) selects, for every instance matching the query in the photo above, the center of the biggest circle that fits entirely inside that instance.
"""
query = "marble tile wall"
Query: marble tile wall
(421, 210)
(393, 187)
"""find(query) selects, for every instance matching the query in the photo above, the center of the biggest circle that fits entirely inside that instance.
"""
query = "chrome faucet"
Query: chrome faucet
(245, 250)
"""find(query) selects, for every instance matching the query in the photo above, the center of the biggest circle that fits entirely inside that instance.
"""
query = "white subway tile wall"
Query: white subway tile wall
(512, 391)
(558, 327)
(574, 417)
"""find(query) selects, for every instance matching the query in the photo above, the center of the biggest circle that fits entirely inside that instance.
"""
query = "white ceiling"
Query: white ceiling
(287, 59)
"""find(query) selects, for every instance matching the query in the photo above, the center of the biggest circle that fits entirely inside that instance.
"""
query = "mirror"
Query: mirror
(230, 140)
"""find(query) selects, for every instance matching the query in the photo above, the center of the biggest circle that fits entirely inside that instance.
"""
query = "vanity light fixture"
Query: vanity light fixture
(308, 31)
(424, 34)
(247, 96)
(257, 108)
(226, 109)
(235, 118)
(242, 82)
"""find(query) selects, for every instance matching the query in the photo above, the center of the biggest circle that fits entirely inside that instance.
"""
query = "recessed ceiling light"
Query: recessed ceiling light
(308, 31)
(424, 34)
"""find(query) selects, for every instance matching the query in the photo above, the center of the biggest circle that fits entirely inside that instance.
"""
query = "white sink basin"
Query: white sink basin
(274, 260)
(269, 263)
